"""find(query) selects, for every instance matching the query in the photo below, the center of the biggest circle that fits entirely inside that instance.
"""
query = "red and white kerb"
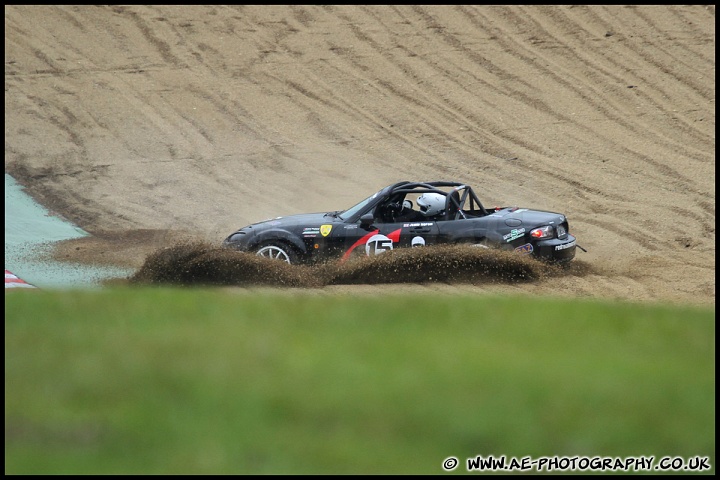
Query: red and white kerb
(12, 281)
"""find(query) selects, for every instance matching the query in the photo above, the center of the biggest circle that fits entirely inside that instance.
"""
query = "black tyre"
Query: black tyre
(277, 250)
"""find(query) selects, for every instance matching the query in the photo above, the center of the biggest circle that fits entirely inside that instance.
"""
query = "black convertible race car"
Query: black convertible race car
(447, 212)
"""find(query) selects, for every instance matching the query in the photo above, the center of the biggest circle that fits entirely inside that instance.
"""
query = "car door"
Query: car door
(381, 237)
(418, 233)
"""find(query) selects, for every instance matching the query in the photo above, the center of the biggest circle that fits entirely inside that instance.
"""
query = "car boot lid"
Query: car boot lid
(515, 216)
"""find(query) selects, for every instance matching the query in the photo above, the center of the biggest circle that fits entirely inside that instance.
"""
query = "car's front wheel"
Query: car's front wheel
(277, 251)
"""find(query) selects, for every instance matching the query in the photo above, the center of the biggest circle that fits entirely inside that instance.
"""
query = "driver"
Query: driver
(432, 207)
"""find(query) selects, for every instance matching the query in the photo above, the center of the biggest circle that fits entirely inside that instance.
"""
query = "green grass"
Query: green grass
(207, 381)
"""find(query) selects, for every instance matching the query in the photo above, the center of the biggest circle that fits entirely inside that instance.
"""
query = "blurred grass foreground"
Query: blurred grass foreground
(198, 381)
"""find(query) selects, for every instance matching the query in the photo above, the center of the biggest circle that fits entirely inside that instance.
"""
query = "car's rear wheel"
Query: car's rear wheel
(277, 251)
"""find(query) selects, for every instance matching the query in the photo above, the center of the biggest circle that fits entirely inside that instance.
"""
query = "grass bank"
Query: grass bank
(169, 380)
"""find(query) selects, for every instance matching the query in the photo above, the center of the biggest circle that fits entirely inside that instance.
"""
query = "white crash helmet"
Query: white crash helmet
(431, 203)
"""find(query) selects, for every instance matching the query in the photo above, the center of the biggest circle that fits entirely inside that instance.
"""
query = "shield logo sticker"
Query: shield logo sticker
(325, 230)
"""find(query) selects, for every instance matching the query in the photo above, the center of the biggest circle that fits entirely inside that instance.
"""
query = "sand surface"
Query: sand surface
(147, 124)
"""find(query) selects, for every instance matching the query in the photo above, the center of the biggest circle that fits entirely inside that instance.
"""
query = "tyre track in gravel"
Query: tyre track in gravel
(312, 89)
(540, 106)
(314, 97)
(111, 85)
(580, 187)
(697, 35)
(676, 66)
(588, 53)
(514, 141)
(703, 226)
(375, 118)
(162, 47)
(147, 109)
(628, 127)
(459, 114)
(163, 116)
(559, 177)
(628, 55)
(665, 170)
(444, 109)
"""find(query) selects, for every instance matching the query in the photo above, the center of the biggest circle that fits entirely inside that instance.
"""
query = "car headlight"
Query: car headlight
(542, 232)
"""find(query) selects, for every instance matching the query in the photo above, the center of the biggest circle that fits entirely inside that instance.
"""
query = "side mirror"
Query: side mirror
(367, 220)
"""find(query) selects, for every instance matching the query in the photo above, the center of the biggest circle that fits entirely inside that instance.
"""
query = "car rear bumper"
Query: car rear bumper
(556, 250)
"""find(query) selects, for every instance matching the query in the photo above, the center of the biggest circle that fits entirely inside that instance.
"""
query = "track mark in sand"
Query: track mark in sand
(161, 46)
(73, 206)
(706, 225)
(65, 124)
(570, 30)
(681, 68)
(459, 114)
(328, 99)
(514, 139)
(302, 15)
(645, 241)
(456, 113)
(231, 109)
(71, 17)
(422, 104)
(476, 58)
(653, 93)
(203, 53)
(40, 55)
(707, 206)
(695, 11)
(163, 116)
(644, 51)
(379, 122)
(600, 106)
(69, 127)
(198, 127)
(631, 47)
(663, 169)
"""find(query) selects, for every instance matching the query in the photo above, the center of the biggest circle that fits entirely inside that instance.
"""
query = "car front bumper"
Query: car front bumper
(238, 241)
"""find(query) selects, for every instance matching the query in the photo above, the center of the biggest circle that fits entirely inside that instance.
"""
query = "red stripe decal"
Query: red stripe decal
(394, 236)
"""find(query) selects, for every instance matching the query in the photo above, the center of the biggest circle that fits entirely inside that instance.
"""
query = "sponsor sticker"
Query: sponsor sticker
(567, 245)
(514, 234)
(525, 249)
(418, 224)
(325, 230)
(311, 230)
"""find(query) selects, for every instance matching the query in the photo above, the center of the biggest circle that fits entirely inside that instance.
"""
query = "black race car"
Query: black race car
(447, 212)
